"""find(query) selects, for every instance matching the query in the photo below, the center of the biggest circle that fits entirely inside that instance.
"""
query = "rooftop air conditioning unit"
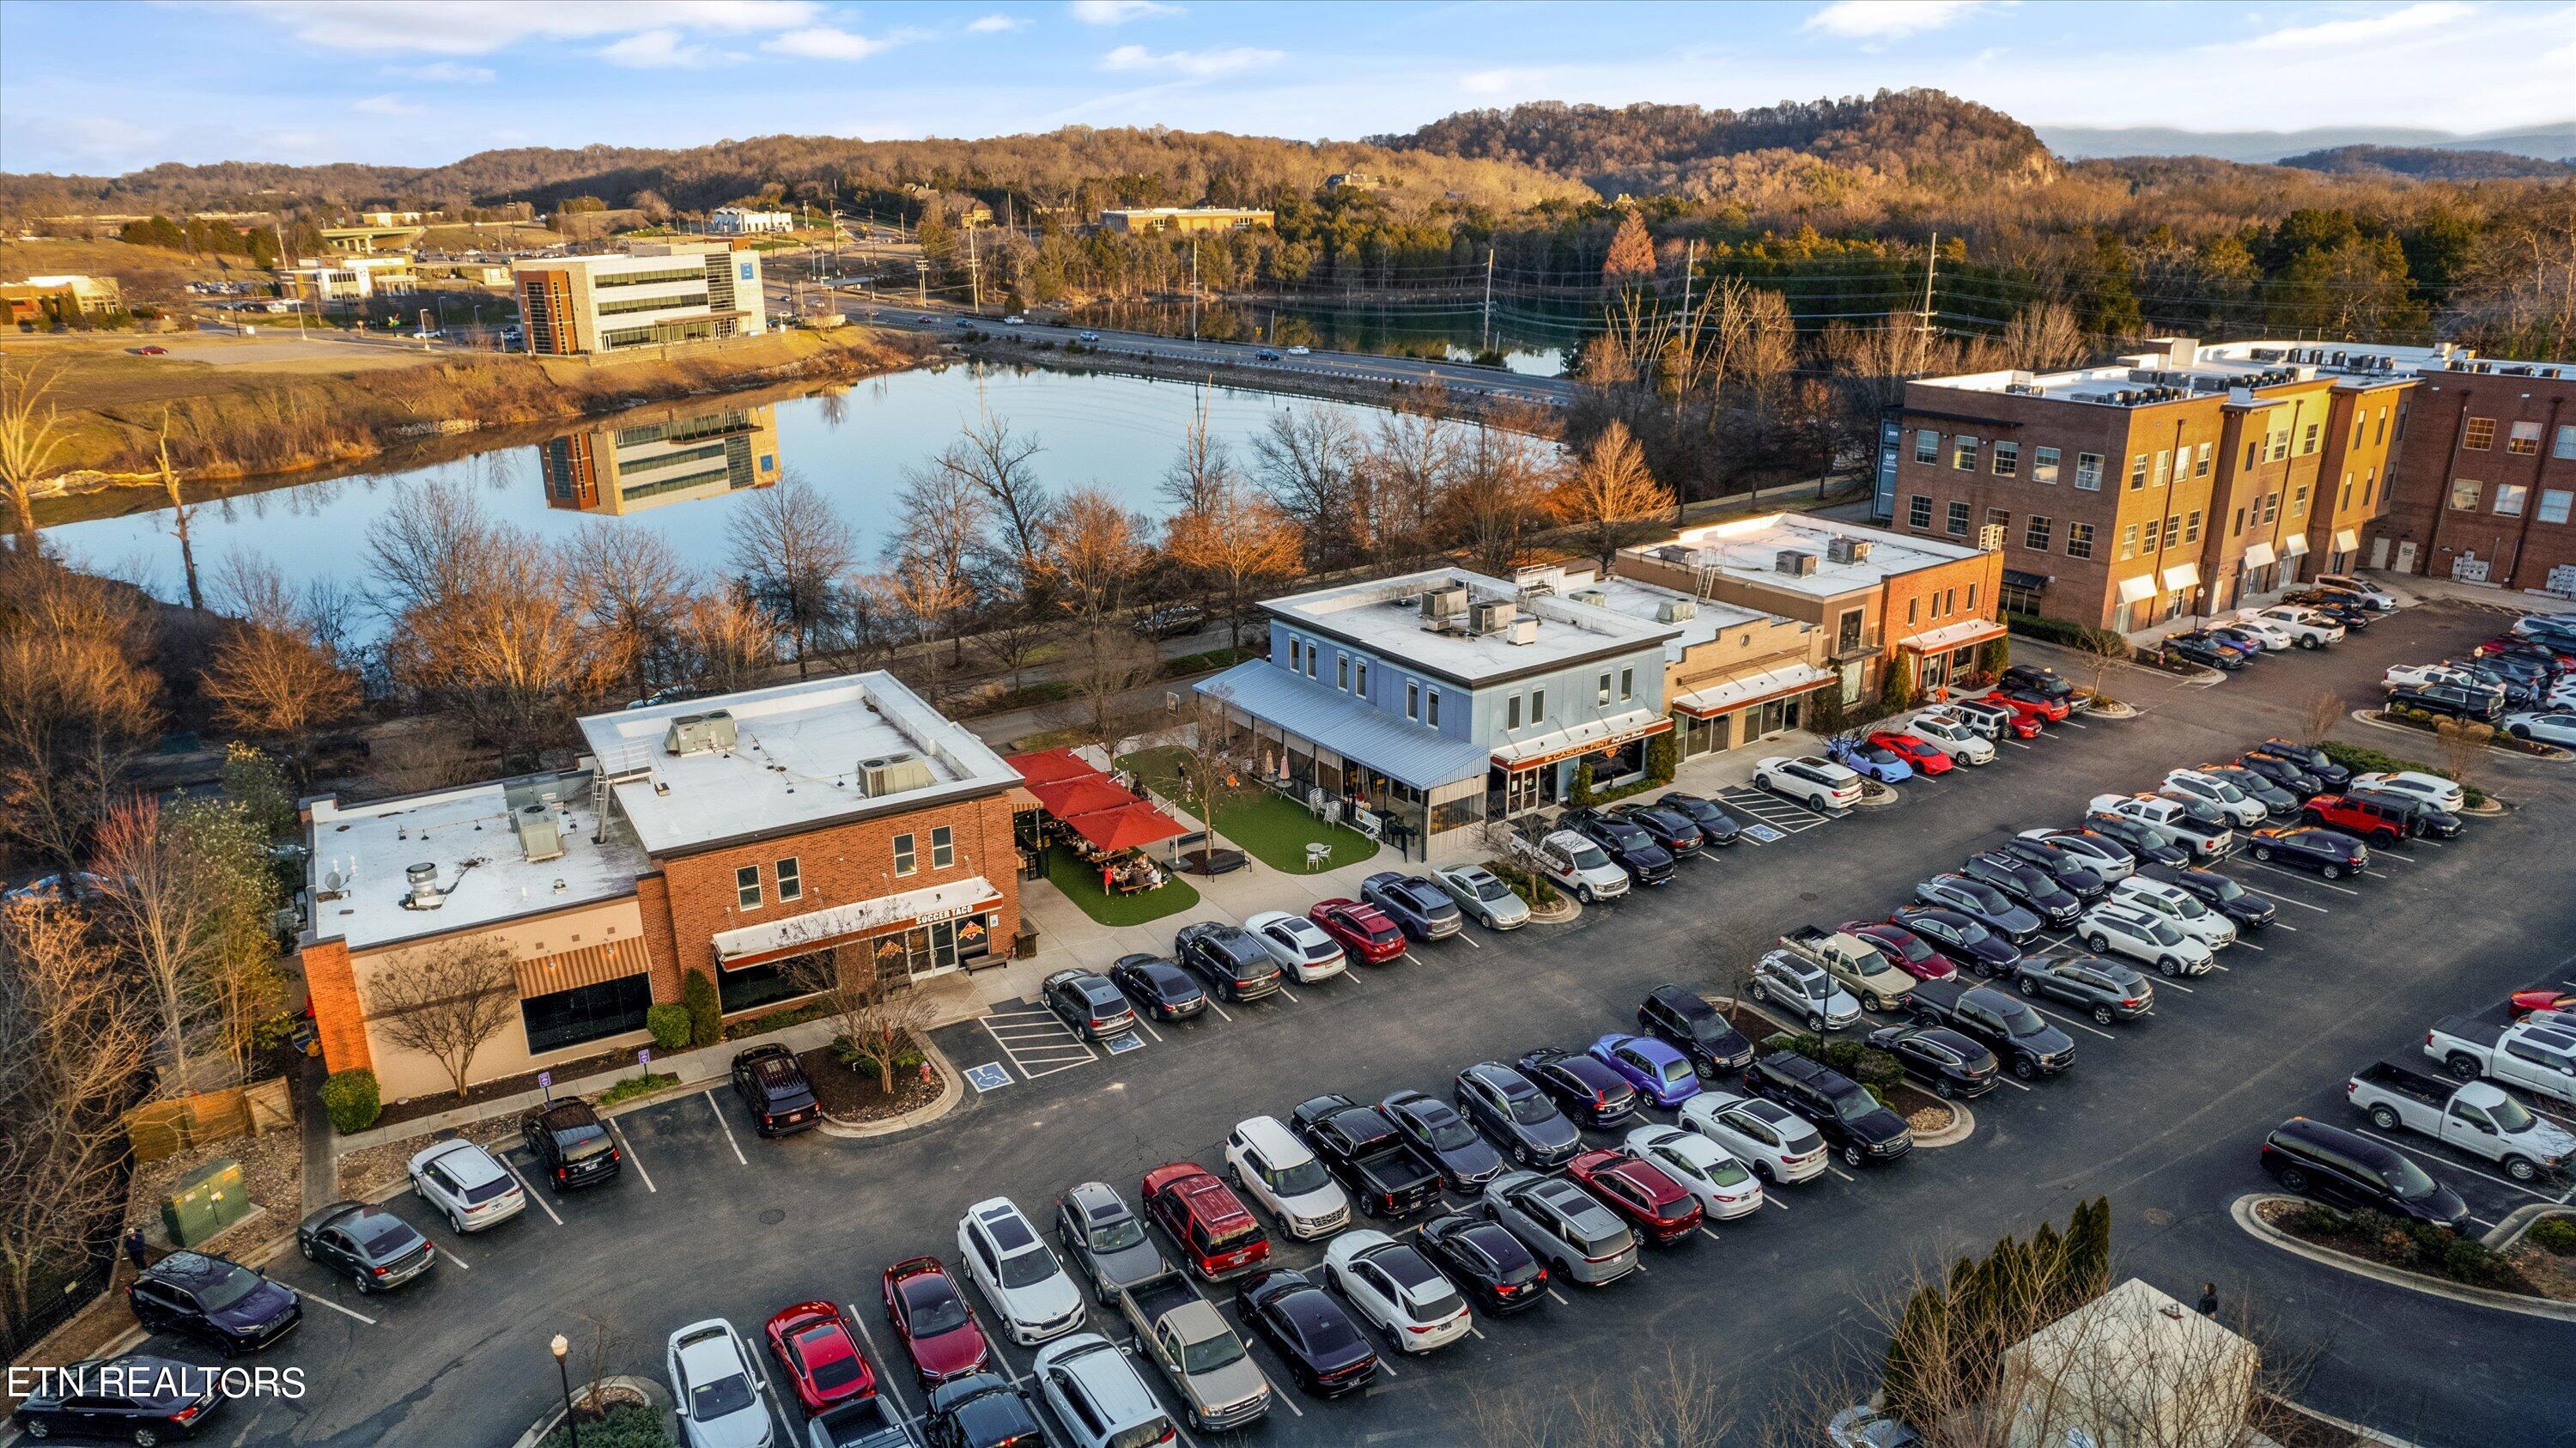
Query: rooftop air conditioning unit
(894, 774)
(708, 733)
(1679, 553)
(1846, 550)
(1676, 610)
(1491, 615)
(539, 839)
(1795, 563)
(1522, 631)
(1447, 601)
(1592, 596)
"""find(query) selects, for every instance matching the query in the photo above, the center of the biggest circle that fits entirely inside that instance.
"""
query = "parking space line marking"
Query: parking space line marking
(2008, 1081)
(450, 1254)
(2250, 945)
(1292, 997)
(2284, 899)
(710, 1095)
(526, 1190)
(2393, 855)
(888, 1375)
(2460, 1166)
(2277, 925)
(1475, 1332)
(1149, 1029)
(1552, 1292)
(632, 1157)
(2483, 1222)
(2163, 984)
(2291, 874)
(1386, 1363)
(335, 1307)
(1705, 1232)
(2069, 1021)
(1837, 1171)
(1470, 940)
(1220, 1010)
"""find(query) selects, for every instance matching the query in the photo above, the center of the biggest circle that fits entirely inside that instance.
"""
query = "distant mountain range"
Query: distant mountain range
(2555, 142)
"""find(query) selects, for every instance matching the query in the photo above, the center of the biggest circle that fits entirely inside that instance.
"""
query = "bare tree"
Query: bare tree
(1679, 1403)
(946, 524)
(1108, 659)
(2463, 747)
(1099, 549)
(1412, 456)
(1609, 487)
(2044, 336)
(792, 550)
(271, 677)
(156, 904)
(446, 1000)
(1304, 459)
(879, 1014)
(722, 642)
(634, 590)
(600, 1346)
(997, 463)
(181, 511)
(1499, 493)
(33, 436)
(1239, 541)
(1012, 638)
(1203, 469)
(2324, 712)
(418, 760)
(76, 703)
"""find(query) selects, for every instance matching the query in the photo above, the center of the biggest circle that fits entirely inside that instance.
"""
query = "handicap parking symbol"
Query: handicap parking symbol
(1120, 1045)
(1763, 834)
(991, 1076)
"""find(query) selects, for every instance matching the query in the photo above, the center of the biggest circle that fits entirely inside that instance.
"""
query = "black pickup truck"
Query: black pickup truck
(1367, 1155)
(2020, 1037)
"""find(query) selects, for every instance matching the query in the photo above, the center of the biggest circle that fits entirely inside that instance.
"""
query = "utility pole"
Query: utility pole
(1194, 286)
(1923, 330)
(1489, 297)
(974, 276)
(1690, 263)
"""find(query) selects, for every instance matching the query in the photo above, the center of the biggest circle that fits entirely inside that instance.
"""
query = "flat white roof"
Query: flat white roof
(795, 763)
(470, 838)
(2177, 367)
(1708, 619)
(1385, 617)
(1749, 549)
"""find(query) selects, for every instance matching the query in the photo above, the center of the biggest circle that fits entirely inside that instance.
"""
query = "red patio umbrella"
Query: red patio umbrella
(1127, 828)
(1067, 798)
(1050, 766)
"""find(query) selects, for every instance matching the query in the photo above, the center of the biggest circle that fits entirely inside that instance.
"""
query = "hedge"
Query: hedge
(1874, 1069)
(2071, 635)
(2371, 761)
(2555, 1234)
(706, 1012)
(352, 1100)
(670, 1024)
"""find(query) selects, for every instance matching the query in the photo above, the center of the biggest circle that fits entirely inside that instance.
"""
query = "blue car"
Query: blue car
(1657, 1071)
(1869, 760)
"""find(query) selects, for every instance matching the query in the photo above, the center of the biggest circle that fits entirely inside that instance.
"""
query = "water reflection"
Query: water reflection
(620, 470)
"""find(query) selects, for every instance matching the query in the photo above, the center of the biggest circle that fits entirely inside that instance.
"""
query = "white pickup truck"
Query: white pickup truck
(1576, 865)
(2171, 819)
(2536, 1053)
(1855, 964)
(2469, 1116)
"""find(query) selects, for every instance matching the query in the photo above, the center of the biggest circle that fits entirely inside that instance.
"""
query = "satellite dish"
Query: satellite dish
(331, 881)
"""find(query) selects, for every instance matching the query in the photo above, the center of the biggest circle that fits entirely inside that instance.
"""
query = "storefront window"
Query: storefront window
(756, 985)
(586, 1013)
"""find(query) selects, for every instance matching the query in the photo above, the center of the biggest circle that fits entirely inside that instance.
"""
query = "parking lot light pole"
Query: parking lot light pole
(563, 1349)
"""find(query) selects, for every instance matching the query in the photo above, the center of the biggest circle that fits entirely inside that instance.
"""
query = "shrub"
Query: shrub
(2371, 761)
(1874, 1069)
(632, 1426)
(1896, 685)
(1996, 656)
(2312, 1220)
(1663, 755)
(670, 1025)
(351, 1100)
(706, 1015)
(907, 1061)
(2071, 635)
(641, 1084)
(2555, 1234)
(2467, 1260)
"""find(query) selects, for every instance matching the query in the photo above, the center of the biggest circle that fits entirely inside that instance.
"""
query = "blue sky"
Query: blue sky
(107, 86)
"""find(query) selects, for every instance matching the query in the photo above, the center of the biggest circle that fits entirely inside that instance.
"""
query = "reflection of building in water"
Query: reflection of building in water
(645, 465)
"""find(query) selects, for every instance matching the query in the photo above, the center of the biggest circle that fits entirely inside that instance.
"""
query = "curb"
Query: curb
(2521, 1220)
(651, 1391)
(1566, 908)
(2242, 1209)
(1963, 1123)
(952, 1089)
(2555, 755)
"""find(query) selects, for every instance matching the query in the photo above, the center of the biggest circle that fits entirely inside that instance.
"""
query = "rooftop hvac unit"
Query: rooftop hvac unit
(538, 837)
(1796, 563)
(1847, 550)
(1447, 601)
(423, 882)
(894, 774)
(1522, 631)
(1491, 615)
(1592, 596)
(708, 733)
(1680, 553)
(1676, 610)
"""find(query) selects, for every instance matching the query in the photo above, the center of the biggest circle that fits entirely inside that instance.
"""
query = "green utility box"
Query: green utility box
(204, 1202)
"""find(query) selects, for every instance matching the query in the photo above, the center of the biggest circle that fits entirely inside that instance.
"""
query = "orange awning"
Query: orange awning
(582, 965)
(1050, 766)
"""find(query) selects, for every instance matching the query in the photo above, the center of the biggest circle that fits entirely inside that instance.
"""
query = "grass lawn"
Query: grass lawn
(1269, 825)
(1081, 883)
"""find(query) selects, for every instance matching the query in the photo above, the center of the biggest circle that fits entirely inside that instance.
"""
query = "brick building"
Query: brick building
(732, 838)
(2184, 480)
(2485, 477)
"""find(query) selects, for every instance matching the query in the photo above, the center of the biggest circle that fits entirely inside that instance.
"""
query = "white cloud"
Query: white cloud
(2387, 25)
(1492, 82)
(823, 42)
(479, 27)
(1885, 20)
(1118, 12)
(996, 24)
(444, 72)
(653, 50)
(385, 105)
(1195, 64)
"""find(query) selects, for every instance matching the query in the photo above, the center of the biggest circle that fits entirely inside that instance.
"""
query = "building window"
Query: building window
(2043, 465)
(1605, 689)
(1913, 611)
(2271, 507)
(1963, 453)
(1311, 651)
(2079, 540)
(2007, 459)
(2000, 520)
(2173, 530)
(1341, 671)
(1918, 511)
(2509, 498)
(1628, 683)
(2191, 527)
(2137, 471)
(2401, 422)
(2480, 435)
(2281, 444)
(2553, 504)
(1431, 708)
(1359, 678)
(1958, 521)
(791, 880)
(1538, 706)
(1927, 446)
(585, 1013)
(2034, 534)
(2253, 452)
(1512, 712)
(2343, 499)
(2308, 440)
(2524, 440)
(2565, 446)
(1412, 700)
(905, 860)
(2088, 471)
(2298, 500)
(2369, 484)
(2164, 466)
(2200, 463)
(1972, 598)
(943, 848)
(1296, 654)
(746, 887)
(2128, 542)
(2236, 525)
(2464, 494)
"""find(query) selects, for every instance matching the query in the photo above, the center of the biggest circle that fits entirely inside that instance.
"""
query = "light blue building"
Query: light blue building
(1444, 698)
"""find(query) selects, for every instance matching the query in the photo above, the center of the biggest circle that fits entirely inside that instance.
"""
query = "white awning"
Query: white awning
(1734, 693)
(1951, 636)
(2138, 589)
(2258, 555)
(797, 934)
(2347, 541)
(2182, 575)
(1600, 734)
(2295, 546)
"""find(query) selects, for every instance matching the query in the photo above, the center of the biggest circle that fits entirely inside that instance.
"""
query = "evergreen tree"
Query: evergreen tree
(1915, 1357)
(2088, 1251)
(1632, 253)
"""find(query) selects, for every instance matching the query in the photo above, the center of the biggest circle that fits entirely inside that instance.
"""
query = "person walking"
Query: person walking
(2209, 1299)
(134, 1248)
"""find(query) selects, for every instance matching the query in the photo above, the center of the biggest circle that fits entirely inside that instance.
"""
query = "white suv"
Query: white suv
(1276, 1170)
(1035, 1296)
(2239, 807)
(1395, 1286)
(2178, 905)
(1816, 783)
(1769, 1137)
(1299, 945)
(1953, 736)
(468, 1186)
(1098, 1395)
(1575, 864)
(2264, 631)
(2430, 789)
(1802, 988)
(2145, 936)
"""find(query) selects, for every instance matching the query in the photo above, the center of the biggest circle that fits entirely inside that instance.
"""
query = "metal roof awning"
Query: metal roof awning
(2015, 578)
(2258, 555)
(580, 966)
(1952, 636)
(1324, 716)
(2347, 541)
(798, 934)
(1592, 738)
(1730, 694)
(2138, 589)
(2182, 575)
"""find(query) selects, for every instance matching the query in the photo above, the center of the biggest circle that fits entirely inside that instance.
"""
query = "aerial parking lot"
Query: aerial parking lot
(2163, 1113)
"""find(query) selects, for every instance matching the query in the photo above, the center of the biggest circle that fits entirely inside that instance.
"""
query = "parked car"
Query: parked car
(1656, 1208)
(720, 1398)
(1854, 963)
(2432, 789)
(1484, 1259)
(215, 1300)
(1920, 755)
(133, 1398)
(2289, 777)
(774, 1091)
(2033, 887)
(2254, 786)
(2199, 647)
(2103, 989)
(1716, 826)
(1775, 1142)
(1483, 896)
(2252, 624)
(1995, 721)
(1819, 784)
(1951, 736)
(1980, 902)
(2218, 794)
(2332, 607)
(2036, 708)
(1299, 945)
(1325, 1350)
(1442, 1137)
(1159, 988)
(1563, 1226)
(466, 1184)
(2451, 701)
(1724, 1188)
(2330, 853)
(2143, 841)
(2146, 936)
(2021, 1037)
(1511, 1109)
(1196, 1350)
(1670, 828)
(932, 1321)
(1805, 990)
(2188, 823)
(1419, 907)
(2245, 909)
(1270, 1165)
(2084, 864)
(2311, 629)
(1020, 1279)
(2312, 1159)
(1956, 1066)
(2416, 676)
(2036, 681)
(1216, 1234)
(2467, 1116)
(1904, 949)
(1862, 1131)
(1583, 1088)
(2252, 639)
(1686, 1020)
(1367, 1154)
(1575, 864)
(2422, 819)
(1625, 843)
(2370, 594)
(1393, 1285)
(1095, 1391)
(2542, 726)
(2362, 818)
(2185, 909)
(981, 1410)
(1106, 1239)
(1868, 759)
(1969, 946)
(371, 1247)
(1651, 1067)
(816, 1349)
(1228, 959)
(570, 1144)
(1362, 931)
(2536, 1052)
(2307, 758)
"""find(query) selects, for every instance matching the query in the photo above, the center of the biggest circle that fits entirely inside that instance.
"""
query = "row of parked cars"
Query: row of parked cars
(1929, 743)
(2315, 617)
(2523, 682)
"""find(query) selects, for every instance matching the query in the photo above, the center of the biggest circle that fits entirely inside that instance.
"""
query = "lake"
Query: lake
(678, 469)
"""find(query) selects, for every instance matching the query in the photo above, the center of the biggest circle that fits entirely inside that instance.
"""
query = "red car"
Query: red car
(2529, 648)
(149, 351)
(813, 1344)
(1660, 1209)
(2542, 998)
(1204, 1216)
(932, 1321)
(1904, 949)
(2029, 705)
(2358, 817)
(1926, 757)
(1363, 931)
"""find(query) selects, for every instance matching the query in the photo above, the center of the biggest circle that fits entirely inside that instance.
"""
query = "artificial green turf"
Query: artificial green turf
(1081, 882)
(1267, 824)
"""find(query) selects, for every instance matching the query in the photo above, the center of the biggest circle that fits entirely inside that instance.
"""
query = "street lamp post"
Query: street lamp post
(563, 1349)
